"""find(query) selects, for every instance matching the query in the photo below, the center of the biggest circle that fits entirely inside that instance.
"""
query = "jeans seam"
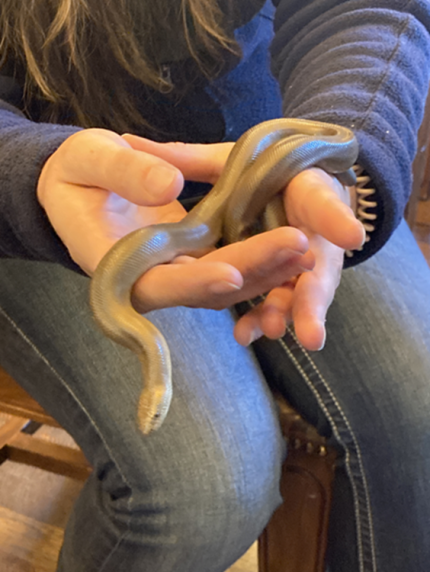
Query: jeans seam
(85, 412)
(357, 495)
(108, 557)
(358, 500)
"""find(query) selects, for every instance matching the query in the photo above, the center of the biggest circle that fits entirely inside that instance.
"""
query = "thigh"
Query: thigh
(368, 390)
(216, 460)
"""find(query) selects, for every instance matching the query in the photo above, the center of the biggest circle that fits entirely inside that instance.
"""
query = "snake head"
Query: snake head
(152, 409)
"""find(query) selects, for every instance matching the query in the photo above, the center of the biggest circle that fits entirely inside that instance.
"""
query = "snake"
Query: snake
(247, 198)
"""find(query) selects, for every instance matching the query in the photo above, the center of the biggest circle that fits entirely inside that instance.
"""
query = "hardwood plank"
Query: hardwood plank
(423, 212)
(27, 545)
(37, 494)
(12, 563)
(248, 562)
(421, 168)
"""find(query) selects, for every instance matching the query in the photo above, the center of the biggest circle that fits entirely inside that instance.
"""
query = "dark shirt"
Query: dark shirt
(363, 64)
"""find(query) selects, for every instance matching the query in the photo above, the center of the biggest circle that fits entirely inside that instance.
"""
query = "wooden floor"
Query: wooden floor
(34, 504)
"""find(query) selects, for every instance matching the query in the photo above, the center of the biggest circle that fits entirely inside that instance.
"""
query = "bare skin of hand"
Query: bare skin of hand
(98, 187)
(318, 206)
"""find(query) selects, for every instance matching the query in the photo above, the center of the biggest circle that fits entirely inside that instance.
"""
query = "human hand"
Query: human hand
(224, 276)
(98, 187)
(318, 205)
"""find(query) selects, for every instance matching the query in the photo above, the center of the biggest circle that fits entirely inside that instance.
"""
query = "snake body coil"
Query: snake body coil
(261, 164)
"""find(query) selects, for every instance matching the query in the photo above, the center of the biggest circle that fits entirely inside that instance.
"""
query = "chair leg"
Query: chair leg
(16, 445)
(295, 539)
(7, 433)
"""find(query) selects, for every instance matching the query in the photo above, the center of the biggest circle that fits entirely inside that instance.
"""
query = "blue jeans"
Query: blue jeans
(193, 496)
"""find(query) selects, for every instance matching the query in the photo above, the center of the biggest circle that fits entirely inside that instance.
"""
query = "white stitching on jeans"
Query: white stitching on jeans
(299, 368)
(347, 454)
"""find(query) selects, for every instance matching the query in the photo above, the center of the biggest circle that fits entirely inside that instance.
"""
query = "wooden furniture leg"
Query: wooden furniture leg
(17, 442)
(421, 169)
(295, 539)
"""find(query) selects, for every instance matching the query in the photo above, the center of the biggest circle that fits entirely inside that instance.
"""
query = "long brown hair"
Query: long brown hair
(76, 52)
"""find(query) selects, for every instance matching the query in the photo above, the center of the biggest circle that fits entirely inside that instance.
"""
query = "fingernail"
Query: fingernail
(322, 324)
(223, 287)
(363, 239)
(160, 178)
(255, 335)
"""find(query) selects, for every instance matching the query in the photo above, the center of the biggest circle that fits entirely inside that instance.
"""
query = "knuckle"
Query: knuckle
(177, 145)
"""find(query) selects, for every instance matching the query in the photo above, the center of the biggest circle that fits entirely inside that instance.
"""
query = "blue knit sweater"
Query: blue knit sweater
(364, 64)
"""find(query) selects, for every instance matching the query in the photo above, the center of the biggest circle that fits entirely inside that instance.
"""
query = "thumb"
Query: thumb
(320, 203)
(101, 159)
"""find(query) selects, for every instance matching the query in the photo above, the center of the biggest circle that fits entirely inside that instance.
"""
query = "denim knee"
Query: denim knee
(192, 512)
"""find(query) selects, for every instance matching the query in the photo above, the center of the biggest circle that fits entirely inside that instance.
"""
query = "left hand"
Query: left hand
(318, 205)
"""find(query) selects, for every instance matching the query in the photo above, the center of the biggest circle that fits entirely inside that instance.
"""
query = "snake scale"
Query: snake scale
(244, 200)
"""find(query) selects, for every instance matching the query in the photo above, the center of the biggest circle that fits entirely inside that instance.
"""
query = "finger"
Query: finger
(259, 253)
(276, 310)
(309, 318)
(313, 296)
(198, 162)
(267, 261)
(103, 159)
(196, 284)
(269, 318)
(225, 276)
(247, 328)
(317, 201)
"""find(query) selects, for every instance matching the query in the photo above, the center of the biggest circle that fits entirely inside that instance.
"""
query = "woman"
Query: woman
(196, 493)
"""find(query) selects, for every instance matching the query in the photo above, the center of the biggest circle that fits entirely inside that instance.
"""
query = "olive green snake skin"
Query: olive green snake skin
(245, 200)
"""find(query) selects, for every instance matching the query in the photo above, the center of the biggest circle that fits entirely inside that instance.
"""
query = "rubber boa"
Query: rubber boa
(245, 200)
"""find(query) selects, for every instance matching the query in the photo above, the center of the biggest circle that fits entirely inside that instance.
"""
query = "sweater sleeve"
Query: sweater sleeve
(363, 64)
(25, 231)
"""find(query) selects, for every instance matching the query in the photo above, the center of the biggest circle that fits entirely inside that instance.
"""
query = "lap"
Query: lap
(378, 339)
(368, 390)
(48, 328)
(216, 459)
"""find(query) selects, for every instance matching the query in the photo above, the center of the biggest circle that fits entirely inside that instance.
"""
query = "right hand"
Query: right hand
(99, 186)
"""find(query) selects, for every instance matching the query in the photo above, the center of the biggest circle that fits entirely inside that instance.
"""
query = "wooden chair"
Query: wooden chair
(17, 442)
(294, 540)
(421, 169)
